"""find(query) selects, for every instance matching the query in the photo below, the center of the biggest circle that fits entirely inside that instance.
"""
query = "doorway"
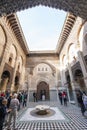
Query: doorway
(80, 80)
(42, 89)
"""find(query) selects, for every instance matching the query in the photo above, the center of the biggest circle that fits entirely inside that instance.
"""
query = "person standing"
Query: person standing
(19, 97)
(34, 96)
(64, 95)
(81, 104)
(9, 100)
(13, 113)
(25, 100)
(60, 98)
(3, 112)
(43, 97)
(84, 98)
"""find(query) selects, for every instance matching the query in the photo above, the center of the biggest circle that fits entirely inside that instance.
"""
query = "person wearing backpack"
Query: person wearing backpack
(13, 111)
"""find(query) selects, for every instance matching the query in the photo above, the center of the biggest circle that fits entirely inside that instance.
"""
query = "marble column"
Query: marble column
(21, 78)
(28, 85)
(83, 66)
(73, 84)
(14, 74)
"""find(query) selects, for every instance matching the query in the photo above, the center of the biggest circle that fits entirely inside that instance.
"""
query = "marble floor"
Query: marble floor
(57, 115)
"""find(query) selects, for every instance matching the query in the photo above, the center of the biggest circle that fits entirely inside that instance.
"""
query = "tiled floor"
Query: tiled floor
(75, 119)
(27, 116)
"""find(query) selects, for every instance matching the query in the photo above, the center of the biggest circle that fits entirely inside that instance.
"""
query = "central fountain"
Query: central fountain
(42, 109)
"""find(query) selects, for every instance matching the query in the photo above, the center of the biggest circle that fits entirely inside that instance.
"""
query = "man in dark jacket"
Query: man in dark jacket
(81, 104)
(3, 112)
(60, 97)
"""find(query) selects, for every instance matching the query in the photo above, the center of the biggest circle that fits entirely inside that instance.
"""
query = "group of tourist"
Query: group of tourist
(81, 98)
(10, 103)
(63, 98)
(43, 97)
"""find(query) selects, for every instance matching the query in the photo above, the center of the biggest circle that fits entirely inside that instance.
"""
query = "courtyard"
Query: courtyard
(45, 73)
(63, 118)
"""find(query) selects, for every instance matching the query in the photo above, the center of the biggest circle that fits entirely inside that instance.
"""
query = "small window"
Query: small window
(18, 67)
(10, 60)
(74, 58)
(45, 69)
(42, 69)
(38, 69)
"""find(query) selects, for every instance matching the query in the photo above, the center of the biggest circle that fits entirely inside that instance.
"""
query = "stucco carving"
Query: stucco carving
(77, 7)
(2, 35)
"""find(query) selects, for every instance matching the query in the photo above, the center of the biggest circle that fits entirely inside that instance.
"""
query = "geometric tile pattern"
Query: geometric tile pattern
(77, 121)
(53, 114)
